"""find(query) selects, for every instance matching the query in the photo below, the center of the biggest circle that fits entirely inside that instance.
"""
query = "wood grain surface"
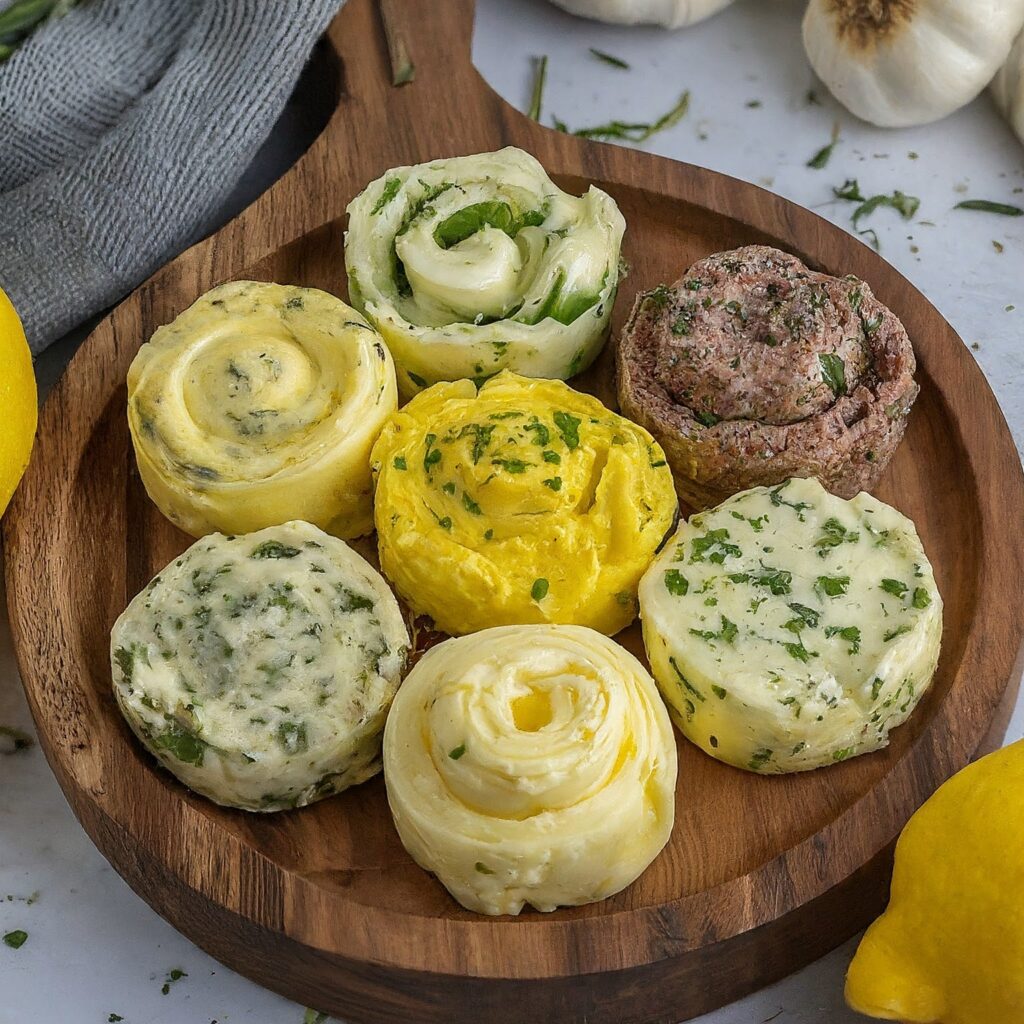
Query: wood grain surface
(761, 876)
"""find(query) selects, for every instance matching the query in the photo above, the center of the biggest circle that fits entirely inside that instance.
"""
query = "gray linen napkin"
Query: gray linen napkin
(123, 126)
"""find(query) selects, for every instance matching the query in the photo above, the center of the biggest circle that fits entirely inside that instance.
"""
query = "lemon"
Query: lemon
(950, 947)
(17, 400)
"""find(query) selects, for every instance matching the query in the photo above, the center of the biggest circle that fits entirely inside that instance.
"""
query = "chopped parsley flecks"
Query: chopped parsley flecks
(539, 590)
(274, 549)
(833, 533)
(833, 372)
(537, 96)
(553, 483)
(685, 683)
(894, 587)
(676, 583)
(16, 939)
(568, 427)
(714, 546)
(921, 599)
(760, 758)
(392, 186)
(851, 634)
(470, 505)
(610, 59)
(820, 159)
(456, 752)
(987, 206)
(632, 131)
(172, 976)
(898, 631)
(799, 507)
(832, 586)
(727, 633)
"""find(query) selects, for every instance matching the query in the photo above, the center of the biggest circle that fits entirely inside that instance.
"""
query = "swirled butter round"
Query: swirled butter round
(258, 669)
(258, 405)
(531, 764)
(475, 264)
(525, 502)
(790, 629)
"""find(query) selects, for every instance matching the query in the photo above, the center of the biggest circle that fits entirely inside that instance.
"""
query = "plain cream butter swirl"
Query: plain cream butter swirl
(531, 764)
(258, 405)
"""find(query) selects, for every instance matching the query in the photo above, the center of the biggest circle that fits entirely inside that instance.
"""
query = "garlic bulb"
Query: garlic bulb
(897, 63)
(1008, 88)
(669, 13)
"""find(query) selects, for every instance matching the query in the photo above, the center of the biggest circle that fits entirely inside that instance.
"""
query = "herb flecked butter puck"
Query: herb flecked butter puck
(259, 668)
(789, 629)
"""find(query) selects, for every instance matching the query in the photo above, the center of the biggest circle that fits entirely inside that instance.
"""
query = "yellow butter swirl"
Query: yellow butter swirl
(523, 502)
(531, 764)
(259, 405)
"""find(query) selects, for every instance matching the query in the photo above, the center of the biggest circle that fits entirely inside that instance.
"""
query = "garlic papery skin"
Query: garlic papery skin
(1008, 88)
(667, 13)
(897, 63)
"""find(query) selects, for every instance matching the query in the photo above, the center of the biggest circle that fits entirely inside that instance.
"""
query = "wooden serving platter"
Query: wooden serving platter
(761, 876)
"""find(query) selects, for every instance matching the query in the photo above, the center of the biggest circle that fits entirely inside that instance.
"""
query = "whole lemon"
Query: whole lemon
(17, 400)
(950, 947)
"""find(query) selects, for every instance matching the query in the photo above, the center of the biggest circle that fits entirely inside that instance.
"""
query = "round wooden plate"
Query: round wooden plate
(761, 875)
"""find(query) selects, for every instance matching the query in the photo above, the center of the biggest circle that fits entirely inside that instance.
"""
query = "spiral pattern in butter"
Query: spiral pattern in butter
(259, 405)
(475, 264)
(531, 764)
(525, 502)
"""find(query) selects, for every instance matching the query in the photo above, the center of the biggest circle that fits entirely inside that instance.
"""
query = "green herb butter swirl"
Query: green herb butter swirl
(259, 669)
(475, 264)
(790, 629)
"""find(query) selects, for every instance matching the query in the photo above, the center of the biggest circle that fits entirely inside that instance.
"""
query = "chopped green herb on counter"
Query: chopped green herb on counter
(608, 58)
(114, 1018)
(633, 131)
(906, 206)
(537, 98)
(986, 206)
(314, 1017)
(820, 159)
(15, 939)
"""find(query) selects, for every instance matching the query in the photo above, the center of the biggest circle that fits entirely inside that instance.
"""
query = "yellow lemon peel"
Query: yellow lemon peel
(949, 948)
(525, 502)
(18, 401)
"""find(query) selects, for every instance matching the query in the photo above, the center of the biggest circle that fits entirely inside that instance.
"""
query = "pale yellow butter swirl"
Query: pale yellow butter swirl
(531, 764)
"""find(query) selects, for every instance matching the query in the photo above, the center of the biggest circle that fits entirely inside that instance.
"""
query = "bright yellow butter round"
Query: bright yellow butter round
(949, 949)
(525, 502)
(531, 764)
(259, 405)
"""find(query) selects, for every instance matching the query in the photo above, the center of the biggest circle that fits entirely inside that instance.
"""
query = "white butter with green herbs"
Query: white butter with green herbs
(259, 668)
(790, 629)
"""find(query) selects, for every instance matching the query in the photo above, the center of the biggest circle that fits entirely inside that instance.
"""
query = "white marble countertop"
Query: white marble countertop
(94, 949)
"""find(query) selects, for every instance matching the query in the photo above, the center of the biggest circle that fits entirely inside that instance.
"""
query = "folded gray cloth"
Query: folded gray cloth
(123, 126)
